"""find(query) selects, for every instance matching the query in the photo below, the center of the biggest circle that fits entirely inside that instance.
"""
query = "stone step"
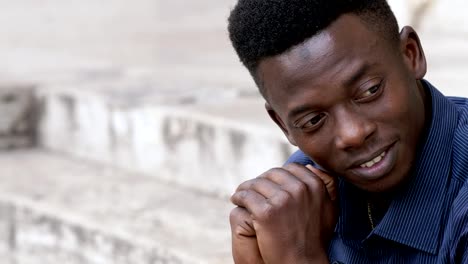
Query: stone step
(195, 135)
(55, 209)
(7, 257)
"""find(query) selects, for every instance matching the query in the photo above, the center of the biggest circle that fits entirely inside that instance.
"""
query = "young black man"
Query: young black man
(346, 85)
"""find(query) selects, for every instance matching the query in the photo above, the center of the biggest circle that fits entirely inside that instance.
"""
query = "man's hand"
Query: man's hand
(287, 215)
(244, 239)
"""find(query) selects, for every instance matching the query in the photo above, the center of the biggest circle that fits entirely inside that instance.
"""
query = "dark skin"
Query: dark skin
(351, 100)
(294, 194)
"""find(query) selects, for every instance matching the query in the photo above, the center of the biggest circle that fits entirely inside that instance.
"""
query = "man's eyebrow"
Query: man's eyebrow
(358, 74)
(297, 111)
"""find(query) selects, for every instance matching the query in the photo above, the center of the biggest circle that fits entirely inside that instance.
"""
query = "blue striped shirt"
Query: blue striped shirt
(427, 221)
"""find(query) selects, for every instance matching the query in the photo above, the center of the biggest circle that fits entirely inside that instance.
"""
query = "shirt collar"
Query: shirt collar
(414, 216)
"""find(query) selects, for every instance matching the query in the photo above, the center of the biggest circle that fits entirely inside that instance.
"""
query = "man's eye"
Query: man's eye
(314, 121)
(370, 92)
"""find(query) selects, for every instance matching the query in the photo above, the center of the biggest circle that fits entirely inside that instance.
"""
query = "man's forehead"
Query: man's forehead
(295, 64)
(317, 46)
(345, 42)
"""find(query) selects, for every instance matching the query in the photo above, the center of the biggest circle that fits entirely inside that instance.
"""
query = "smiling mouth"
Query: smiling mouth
(374, 161)
(378, 166)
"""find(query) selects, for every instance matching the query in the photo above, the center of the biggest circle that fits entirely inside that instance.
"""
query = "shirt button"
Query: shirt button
(337, 262)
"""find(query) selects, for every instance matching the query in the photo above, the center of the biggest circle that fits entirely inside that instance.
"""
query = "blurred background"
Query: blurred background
(125, 125)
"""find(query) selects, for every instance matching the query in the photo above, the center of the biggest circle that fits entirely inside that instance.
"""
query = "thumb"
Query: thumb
(329, 181)
(245, 248)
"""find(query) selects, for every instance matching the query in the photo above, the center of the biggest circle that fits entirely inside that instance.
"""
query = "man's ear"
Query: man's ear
(413, 52)
(277, 119)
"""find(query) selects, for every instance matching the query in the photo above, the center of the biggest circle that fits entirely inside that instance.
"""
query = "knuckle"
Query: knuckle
(257, 182)
(317, 186)
(272, 172)
(281, 199)
(244, 185)
(291, 165)
(245, 195)
(239, 197)
(268, 211)
(234, 215)
(299, 188)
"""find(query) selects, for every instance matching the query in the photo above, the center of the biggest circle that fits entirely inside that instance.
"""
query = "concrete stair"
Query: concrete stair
(131, 166)
(195, 135)
(57, 209)
(181, 130)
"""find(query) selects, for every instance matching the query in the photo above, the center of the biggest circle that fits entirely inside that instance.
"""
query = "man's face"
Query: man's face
(349, 99)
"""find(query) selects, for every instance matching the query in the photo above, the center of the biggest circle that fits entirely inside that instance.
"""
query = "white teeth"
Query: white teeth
(377, 159)
(374, 161)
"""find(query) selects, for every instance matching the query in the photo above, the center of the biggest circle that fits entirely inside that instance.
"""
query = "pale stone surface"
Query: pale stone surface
(7, 230)
(220, 144)
(137, 33)
(68, 211)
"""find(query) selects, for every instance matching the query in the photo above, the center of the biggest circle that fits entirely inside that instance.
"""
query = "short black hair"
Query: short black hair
(263, 28)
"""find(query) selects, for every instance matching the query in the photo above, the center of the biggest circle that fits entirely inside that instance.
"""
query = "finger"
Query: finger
(261, 185)
(245, 248)
(280, 176)
(289, 184)
(329, 181)
(307, 177)
(295, 179)
(241, 222)
(251, 200)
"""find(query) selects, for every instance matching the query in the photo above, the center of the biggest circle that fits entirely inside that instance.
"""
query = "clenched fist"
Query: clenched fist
(286, 215)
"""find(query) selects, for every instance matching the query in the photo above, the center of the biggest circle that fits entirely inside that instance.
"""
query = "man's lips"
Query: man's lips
(377, 165)
(371, 157)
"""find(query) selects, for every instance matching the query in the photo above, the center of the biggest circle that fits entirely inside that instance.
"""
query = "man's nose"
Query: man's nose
(352, 130)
